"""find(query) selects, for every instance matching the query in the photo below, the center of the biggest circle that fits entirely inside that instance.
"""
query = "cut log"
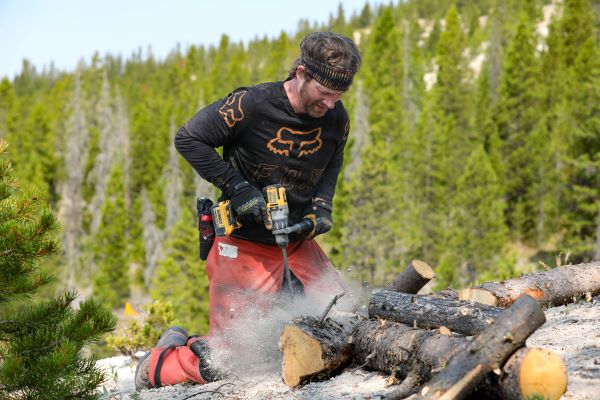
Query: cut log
(413, 278)
(312, 350)
(552, 287)
(432, 312)
(529, 373)
(490, 349)
(412, 354)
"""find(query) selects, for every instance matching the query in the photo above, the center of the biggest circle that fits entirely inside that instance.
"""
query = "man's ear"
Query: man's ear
(301, 72)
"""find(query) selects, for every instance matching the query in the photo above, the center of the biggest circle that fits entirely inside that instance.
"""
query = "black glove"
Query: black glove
(320, 215)
(247, 200)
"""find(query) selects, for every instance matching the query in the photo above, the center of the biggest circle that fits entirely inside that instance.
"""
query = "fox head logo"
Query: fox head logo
(232, 111)
(291, 143)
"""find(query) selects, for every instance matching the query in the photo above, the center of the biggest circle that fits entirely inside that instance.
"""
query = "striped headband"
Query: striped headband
(333, 78)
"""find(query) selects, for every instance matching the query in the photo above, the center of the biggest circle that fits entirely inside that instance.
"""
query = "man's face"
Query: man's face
(317, 99)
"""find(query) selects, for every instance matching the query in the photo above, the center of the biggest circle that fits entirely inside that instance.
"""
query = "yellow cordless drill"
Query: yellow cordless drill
(226, 222)
(278, 213)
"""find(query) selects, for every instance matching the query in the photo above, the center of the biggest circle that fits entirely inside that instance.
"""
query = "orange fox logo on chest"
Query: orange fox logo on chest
(291, 143)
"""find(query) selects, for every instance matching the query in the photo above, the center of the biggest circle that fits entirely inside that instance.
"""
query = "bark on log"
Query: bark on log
(446, 294)
(413, 278)
(552, 287)
(488, 351)
(432, 312)
(314, 351)
(412, 354)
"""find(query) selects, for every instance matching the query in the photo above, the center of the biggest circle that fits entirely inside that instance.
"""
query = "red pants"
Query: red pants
(241, 273)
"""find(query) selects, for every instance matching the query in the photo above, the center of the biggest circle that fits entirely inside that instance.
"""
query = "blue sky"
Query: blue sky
(64, 31)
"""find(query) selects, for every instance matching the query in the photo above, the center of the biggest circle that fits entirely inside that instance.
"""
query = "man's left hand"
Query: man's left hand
(320, 215)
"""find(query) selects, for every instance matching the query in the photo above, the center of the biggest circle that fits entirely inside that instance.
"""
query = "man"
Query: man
(291, 133)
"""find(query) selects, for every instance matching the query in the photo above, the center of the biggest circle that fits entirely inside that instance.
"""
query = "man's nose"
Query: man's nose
(330, 101)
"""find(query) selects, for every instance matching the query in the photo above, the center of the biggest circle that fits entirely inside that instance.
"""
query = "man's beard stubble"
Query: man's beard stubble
(310, 108)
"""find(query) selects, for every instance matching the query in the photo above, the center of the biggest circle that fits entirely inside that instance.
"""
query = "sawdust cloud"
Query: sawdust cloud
(251, 346)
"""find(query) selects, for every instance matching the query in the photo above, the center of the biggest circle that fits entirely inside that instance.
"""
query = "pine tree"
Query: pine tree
(486, 126)
(583, 197)
(40, 341)
(379, 185)
(111, 281)
(216, 86)
(518, 113)
(442, 141)
(478, 233)
(278, 60)
(180, 277)
(42, 163)
(576, 27)
(364, 18)
(7, 103)
(76, 149)
(570, 70)
(452, 87)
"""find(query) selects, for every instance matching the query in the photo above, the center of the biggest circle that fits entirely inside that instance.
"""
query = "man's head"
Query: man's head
(325, 70)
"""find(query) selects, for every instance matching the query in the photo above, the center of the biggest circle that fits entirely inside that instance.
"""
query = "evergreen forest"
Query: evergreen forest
(474, 146)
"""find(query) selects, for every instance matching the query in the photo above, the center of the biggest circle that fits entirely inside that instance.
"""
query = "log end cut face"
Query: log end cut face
(478, 295)
(543, 374)
(423, 269)
(302, 356)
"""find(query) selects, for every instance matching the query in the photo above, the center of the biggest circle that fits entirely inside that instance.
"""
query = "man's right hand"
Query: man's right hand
(248, 200)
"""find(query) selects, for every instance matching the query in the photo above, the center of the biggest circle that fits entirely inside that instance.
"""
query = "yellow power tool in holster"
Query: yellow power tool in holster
(224, 218)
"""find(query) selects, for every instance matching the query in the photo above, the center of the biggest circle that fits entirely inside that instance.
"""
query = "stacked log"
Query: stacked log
(483, 353)
(432, 312)
(416, 275)
(314, 350)
(413, 355)
(490, 349)
(552, 287)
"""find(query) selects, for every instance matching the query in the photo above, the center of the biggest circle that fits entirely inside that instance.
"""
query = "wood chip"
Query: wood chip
(444, 331)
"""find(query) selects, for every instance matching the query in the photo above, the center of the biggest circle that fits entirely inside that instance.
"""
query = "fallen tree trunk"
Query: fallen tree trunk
(413, 278)
(432, 312)
(314, 350)
(488, 351)
(413, 355)
(552, 287)
(409, 354)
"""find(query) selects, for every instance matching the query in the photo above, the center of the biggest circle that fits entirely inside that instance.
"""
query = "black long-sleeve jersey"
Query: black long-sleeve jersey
(265, 142)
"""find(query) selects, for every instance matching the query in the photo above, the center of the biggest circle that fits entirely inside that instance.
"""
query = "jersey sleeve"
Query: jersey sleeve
(325, 189)
(215, 126)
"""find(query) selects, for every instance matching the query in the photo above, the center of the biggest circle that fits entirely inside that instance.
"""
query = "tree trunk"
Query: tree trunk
(490, 349)
(431, 311)
(413, 278)
(552, 287)
(412, 354)
(313, 350)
